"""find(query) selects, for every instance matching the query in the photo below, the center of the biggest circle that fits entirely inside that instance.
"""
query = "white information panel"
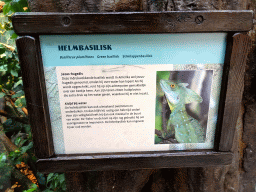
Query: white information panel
(122, 93)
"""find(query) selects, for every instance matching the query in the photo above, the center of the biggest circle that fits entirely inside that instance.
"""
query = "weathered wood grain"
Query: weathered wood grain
(223, 90)
(42, 136)
(235, 86)
(133, 161)
(164, 22)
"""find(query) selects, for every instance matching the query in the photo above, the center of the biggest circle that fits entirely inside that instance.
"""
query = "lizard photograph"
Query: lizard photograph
(183, 99)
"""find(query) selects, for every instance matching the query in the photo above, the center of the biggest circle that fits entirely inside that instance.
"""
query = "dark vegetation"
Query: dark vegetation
(17, 159)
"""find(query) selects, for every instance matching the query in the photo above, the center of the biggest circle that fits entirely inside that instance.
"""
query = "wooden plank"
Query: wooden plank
(42, 138)
(235, 86)
(133, 161)
(45, 104)
(223, 90)
(128, 22)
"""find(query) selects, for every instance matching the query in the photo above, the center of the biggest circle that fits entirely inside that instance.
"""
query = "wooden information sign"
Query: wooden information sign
(133, 90)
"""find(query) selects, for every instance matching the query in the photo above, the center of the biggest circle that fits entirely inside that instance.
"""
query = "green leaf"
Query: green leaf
(22, 142)
(56, 184)
(14, 73)
(20, 82)
(14, 36)
(18, 94)
(21, 102)
(64, 187)
(7, 7)
(17, 141)
(7, 1)
(3, 157)
(32, 189)
(50, 177)
(29, 190)
(2, 94)
(3, 68)
(11, 32)
(27, 129)
(24, 149)
(62, 178)
(17, 7)
(2, 50)
(51, 185)
(23, 3)
(12, 154)
(7, 27)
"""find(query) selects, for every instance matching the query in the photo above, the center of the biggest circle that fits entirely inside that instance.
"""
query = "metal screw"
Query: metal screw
(199, 19)
(66, 21)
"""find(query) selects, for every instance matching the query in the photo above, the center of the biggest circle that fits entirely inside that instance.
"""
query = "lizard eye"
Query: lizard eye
(172, 86)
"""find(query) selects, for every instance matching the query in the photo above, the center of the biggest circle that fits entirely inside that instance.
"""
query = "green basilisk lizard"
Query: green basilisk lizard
(185, 128)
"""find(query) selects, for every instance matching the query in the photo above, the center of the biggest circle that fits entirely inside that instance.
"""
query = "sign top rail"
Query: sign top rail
(132, 22)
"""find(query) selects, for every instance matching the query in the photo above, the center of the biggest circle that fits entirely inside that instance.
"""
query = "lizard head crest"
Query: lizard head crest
(178, 93)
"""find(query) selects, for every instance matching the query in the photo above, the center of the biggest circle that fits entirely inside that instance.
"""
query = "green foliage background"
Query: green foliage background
(14, 124)
(159, 95)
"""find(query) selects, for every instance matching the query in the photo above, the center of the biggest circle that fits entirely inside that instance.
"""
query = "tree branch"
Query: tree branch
(158, 133)
(6, 141)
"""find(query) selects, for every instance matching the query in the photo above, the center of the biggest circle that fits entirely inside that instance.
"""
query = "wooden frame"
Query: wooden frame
(238, 44)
